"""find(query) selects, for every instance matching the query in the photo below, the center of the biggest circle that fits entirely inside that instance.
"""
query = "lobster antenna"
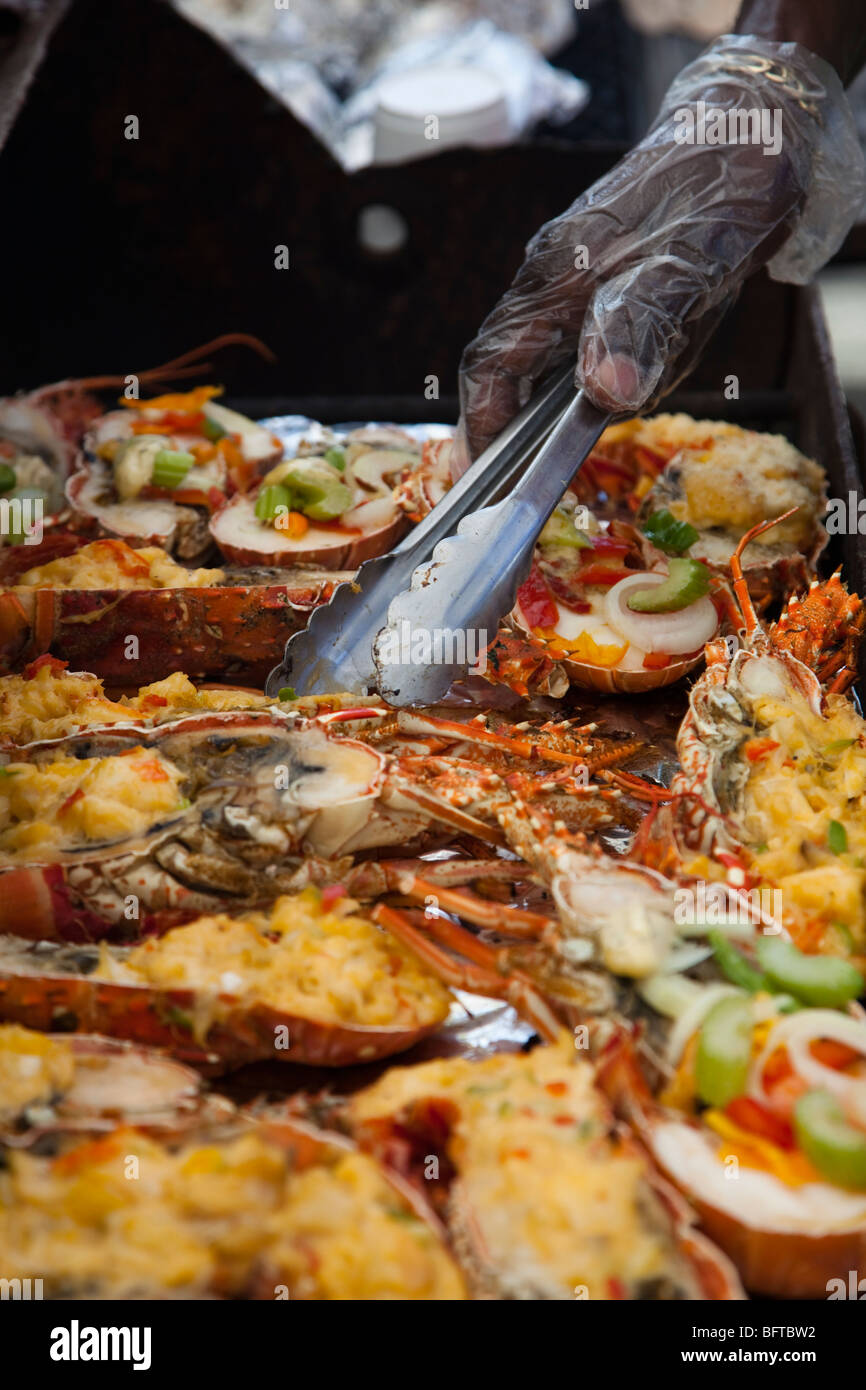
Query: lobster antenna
(188, 364)
(741, 588)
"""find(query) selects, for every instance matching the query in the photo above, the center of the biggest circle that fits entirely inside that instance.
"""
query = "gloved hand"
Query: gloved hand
(670, 234)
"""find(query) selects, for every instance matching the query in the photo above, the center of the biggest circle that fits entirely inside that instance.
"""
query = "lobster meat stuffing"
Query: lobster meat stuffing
(486, 1001)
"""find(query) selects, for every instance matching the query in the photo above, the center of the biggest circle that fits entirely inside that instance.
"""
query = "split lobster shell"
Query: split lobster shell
(232, 629)
(49, 987)
(775, 1258)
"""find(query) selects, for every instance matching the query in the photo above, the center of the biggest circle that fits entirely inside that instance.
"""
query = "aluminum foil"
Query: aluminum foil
(324, 61)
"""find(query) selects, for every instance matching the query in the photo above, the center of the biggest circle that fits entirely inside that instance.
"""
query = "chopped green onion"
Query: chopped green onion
(734, 965)
(839, 745)
(837, 1148)
(270, 500)
(837, 837)
(824, 981)
(7, 477)
(561, 530)
(8, 772)
(212, 430)
(336, 458)
(668, 534)
(686, 582)
(287, 693)
(170, 467)
(724, 1051)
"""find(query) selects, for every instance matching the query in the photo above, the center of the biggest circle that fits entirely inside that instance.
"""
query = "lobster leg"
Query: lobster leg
(514, 921)
(482, 975)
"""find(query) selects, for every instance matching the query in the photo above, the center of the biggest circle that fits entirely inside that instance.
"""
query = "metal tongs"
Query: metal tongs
(412, 622)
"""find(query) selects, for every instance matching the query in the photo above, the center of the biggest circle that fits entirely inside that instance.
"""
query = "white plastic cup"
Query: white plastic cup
(426, 110)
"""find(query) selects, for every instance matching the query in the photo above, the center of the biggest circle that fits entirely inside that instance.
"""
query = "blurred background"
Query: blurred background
(172, 171)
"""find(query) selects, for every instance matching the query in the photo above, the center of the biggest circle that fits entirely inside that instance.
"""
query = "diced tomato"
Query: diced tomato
(183, 422)
(150, 427)
(603, 574)
(730, 861)
(757, 748)
(781, 1083)
(152, 702)
(35, 666)
(556, 1088)
(152, 772)
(606, 466)
(96, 1151)
(332, 894)
(758, 1119)
(649, 458)
(616, 1288)
(777, 1068)
(609, 545)
(831, 1053)
(536, 602)
(77, 795)
(656, 661)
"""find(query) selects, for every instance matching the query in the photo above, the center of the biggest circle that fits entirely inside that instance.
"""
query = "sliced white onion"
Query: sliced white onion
(369, 516)
(684, 956)
(378, 469)
(690, 1020)
(676, 633)
(670, 995)
(256, 442)
(797, 1032)
(685, 1001)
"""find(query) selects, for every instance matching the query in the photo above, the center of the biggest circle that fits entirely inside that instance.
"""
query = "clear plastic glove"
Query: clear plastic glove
(669, 236)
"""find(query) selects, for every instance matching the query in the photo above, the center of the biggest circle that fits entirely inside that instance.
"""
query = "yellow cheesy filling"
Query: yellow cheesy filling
(112, 564)
(797, 796)
(34, 1069)
(53, 703)
(561, 1206)
(665, 434)
(728, 479)
(300, 959)
(124, 1216)
(74, 801)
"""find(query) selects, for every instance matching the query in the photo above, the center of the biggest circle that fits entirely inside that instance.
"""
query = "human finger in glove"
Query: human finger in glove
(636, 274)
